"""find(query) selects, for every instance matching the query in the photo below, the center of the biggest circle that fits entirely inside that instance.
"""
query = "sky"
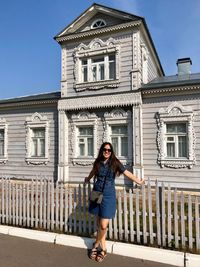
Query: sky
(30, 59)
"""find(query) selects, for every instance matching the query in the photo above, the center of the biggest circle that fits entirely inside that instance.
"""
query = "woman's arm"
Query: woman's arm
(133, 177)
(91, 174)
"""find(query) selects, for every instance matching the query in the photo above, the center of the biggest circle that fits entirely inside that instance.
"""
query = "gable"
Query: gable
(109, 15)
(109, 21)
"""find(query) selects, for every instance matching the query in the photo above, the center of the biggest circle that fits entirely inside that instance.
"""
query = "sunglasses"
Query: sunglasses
(107, 150)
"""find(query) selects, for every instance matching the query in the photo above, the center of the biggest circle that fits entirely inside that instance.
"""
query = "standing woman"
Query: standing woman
(106, 167)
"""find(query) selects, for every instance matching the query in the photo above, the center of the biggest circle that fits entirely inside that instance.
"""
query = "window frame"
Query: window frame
(4, 127)
(36, 121)
(119, 117)
(97, 27)
(83, 119)
(175, 113)
(96, 48)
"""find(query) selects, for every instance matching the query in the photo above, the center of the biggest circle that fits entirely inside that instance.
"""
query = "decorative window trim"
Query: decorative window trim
(37, 121)
(4, 126)
(83, 119)
(96, 47)
(98, 20)
(175, 113)
(116, 117)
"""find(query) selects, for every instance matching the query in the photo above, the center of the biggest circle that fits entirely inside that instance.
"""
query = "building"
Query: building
(113, 88)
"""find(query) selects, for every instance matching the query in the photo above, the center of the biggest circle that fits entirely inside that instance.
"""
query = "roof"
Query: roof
(38, 97)
(174, 80)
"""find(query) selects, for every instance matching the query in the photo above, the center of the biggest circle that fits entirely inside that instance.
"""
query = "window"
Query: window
(176, 140)
(102, 68)
(119, 140)
(118, 132)
(96, 65)
(37, 139)
(3, 141)
(38, 142)
(98, 24)
(85, 141)
(176, 137)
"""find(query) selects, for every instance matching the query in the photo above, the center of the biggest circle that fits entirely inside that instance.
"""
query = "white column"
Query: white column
(63, 162)
(137, 141)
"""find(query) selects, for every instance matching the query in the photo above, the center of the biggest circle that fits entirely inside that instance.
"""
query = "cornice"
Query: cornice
(21, 104)
(116, 100)
(98, 31)
(161, 90)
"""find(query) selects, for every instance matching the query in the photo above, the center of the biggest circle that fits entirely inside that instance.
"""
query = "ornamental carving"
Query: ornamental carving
(83, 119)
(4, 128)
(116, 117)
(37, 121)
(95, 48)
(172, 114)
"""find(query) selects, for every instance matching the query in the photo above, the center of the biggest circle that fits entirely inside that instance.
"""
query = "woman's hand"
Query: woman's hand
(87, 180)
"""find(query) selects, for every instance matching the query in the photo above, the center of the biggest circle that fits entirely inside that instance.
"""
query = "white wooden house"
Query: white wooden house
(113, 88)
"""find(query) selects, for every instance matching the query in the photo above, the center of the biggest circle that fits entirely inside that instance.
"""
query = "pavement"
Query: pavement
(23, 252)
(26, 248)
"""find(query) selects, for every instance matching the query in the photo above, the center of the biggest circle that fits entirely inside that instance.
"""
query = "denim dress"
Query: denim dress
(107, 207)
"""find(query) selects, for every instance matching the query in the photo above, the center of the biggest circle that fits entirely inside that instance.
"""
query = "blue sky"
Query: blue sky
(30, 58)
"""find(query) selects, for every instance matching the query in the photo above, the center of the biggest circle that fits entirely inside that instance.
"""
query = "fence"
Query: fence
(150, 215)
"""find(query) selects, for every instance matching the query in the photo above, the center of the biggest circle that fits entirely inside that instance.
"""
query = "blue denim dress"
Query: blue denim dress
(107, 207)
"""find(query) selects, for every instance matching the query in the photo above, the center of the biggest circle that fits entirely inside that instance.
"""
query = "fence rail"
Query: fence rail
(150, 215)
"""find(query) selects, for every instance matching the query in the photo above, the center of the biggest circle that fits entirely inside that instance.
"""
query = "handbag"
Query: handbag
(97, 196)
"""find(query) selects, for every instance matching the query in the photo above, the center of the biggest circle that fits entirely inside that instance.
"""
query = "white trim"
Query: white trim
(83, 119)
(4, 127)
(175, 113)
(37, 121)
(101, 101)
(92, 26)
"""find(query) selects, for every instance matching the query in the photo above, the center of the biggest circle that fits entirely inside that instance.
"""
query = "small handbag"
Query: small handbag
(97, 196)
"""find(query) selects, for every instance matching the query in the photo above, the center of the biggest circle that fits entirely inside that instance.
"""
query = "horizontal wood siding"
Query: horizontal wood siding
(16, 165)
(126, 64)
(179, 177)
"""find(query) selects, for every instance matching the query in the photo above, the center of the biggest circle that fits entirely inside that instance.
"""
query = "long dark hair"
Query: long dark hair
(113, 161)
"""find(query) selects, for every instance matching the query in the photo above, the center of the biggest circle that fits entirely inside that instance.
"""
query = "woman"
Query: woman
(106, 167)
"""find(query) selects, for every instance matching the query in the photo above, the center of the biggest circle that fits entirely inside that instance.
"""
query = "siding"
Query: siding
(16, 166)
(126, 65)
(152, 169)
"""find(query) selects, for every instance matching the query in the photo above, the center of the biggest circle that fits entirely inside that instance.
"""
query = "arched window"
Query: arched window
(98, 23)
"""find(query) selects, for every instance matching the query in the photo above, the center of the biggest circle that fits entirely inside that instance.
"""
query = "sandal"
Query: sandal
(93, 253)
(101, 255)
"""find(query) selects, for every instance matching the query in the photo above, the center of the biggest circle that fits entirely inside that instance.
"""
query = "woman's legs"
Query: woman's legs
(102, 225)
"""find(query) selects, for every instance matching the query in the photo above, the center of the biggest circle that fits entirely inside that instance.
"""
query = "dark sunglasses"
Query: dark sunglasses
(105, 149)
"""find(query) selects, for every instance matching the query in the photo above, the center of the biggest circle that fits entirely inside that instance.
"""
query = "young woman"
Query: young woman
(106, 167)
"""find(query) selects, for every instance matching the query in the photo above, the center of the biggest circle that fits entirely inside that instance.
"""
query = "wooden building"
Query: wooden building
(113, 88)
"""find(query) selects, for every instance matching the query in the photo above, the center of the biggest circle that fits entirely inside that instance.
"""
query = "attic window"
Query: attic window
(98, 24)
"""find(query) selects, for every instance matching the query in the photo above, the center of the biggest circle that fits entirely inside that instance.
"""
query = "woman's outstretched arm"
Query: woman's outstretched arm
(133, 177)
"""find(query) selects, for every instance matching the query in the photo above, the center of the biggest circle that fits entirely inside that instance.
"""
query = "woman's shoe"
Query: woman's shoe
(101, 255)
(93, 252)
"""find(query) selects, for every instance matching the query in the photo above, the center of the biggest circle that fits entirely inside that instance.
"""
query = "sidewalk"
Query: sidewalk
(27, 248)
(21, 252)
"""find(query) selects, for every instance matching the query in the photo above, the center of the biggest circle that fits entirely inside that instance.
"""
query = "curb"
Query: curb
(140, 252)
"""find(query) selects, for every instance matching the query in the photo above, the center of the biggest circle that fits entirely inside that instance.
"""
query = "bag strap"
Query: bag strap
(105, 177)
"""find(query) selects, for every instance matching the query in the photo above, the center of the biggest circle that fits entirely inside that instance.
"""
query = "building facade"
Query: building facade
(113, 88)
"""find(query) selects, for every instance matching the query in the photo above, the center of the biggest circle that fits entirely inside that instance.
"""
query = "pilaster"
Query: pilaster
(63, 162)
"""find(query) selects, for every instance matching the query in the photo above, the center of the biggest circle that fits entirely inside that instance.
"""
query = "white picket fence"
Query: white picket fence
(151, 215)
